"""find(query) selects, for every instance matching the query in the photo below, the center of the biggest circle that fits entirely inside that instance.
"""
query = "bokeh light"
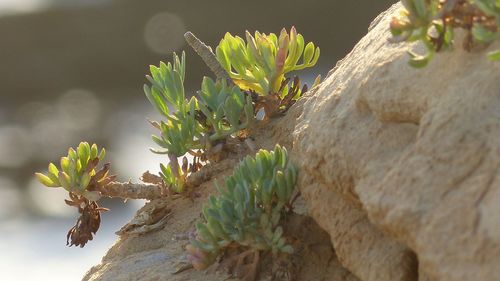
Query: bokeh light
(164, 33)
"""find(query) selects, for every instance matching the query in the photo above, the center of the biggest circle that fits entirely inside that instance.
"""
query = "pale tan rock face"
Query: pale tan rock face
(389, 153)
(400, 166)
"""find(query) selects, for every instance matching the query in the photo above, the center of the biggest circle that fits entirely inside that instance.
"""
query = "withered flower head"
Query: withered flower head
(87, 224)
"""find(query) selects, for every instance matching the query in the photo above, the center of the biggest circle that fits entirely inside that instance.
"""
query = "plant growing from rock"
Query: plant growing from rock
(432, 22)
(196, 125)
(260, 64)
(251, 79)
(86, 183)
(79, 176)
(200, 126)
(247, 213)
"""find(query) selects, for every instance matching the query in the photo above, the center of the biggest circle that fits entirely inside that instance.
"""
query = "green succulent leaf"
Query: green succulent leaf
(288, 249)
(418, 61)
(93, 151)
(45, 180)
(494, 56)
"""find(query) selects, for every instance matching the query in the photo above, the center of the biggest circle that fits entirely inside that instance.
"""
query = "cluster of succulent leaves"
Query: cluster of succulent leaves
(194, 124)
(248, 209)
(77, 171)
(261, 63)
(180, 131)
(432, 22)
(221, 110)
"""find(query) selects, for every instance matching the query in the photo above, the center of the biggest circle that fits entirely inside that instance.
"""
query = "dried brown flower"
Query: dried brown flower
(87, 224)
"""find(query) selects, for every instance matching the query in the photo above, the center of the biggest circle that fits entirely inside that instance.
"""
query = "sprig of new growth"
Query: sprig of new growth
(77, 172)
(432, 22)
(78, 175)
(248, 211)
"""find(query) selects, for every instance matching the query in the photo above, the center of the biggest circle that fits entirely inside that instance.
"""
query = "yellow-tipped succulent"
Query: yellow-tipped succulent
(77, 172)
(260, 63)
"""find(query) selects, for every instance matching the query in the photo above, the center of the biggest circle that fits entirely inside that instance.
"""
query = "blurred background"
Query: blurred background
(73, 70)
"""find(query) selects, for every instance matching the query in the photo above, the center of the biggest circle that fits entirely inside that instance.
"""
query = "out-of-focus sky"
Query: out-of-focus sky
(72, 70)
(9, 7)
(19, 6)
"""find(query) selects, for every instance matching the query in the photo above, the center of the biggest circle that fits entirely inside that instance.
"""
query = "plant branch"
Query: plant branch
(129, 190)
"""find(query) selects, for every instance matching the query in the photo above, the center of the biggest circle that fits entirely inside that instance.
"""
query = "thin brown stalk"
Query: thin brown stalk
(129, 190)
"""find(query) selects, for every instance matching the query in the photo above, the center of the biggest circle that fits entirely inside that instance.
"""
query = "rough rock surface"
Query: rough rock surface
(159, 254)
(394, 158)
(400, 166)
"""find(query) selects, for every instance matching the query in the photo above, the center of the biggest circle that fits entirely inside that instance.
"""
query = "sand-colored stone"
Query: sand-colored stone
(400, 166)
(417, 151)
(158, 254)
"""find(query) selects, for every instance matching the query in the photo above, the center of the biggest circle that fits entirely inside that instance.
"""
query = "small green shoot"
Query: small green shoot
(78, 175)
(77, 172)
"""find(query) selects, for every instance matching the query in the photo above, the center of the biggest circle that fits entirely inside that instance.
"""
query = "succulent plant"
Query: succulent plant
(78, 175)
(77, 172)
(167, 84)
(223, 108)
(260, 63)
(432, 22)
(196, 124)
(248, 210)
(181, 131)
(424, 21)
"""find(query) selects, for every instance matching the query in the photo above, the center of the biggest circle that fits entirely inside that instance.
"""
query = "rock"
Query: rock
(400, 166)
(157, 253)
(397, 162)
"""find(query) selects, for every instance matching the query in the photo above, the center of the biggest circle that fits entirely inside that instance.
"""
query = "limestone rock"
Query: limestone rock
(394, 158)
(400, 166)
(157, 253)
